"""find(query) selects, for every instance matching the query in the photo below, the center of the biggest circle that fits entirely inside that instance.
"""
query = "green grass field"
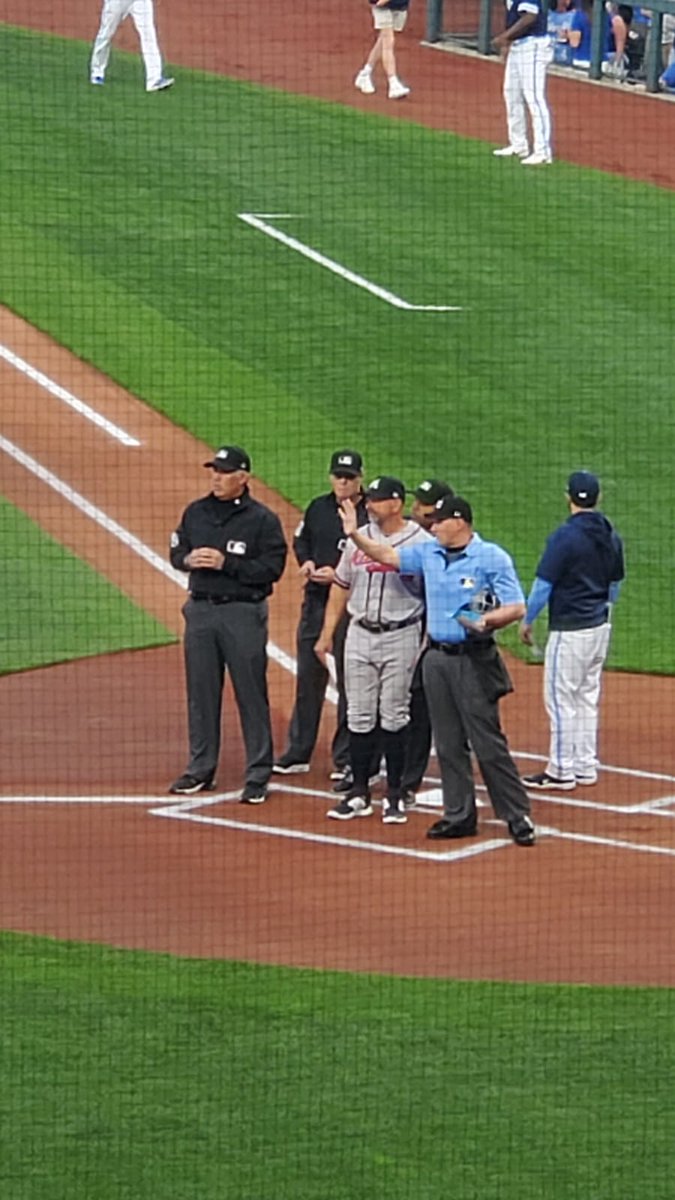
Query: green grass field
(58, 608)
(120, 237)
(140, 1076)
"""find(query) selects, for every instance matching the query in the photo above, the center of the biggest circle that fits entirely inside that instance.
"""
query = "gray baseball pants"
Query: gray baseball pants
(234, 637)
(463, 694)
(378, 671)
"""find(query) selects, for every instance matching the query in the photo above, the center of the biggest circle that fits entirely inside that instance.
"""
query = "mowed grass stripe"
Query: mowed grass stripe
(122, 239)
(57, 608)
(146, 1076)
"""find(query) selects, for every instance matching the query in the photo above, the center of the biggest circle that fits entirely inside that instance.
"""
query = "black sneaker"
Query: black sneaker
(286, 766)
(356, 805)
(338, 773)
(254, 793)
(189, 785)
(393, 811)
(548, 783)
(409, 798)
(522, 832)
(451, 829)
(344, 781)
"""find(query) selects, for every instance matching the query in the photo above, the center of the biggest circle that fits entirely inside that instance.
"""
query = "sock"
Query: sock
(362, 746)
(394, 752)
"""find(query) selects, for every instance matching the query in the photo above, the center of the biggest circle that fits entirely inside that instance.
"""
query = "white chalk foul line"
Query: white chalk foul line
(187, 812)
(257, 222)
(61, 393)
(118, 531)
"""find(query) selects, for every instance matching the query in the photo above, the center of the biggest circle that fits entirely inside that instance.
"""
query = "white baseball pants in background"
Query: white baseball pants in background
(143, 17)
(572, 679)
(525, 88)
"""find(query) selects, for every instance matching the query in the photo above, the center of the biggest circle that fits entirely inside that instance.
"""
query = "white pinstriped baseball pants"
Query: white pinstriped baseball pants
(572, 681)
(143, 17)
(525, 88)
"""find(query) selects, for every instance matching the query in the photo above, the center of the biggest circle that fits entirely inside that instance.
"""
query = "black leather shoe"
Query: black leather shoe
(522, 832)
(450, 829)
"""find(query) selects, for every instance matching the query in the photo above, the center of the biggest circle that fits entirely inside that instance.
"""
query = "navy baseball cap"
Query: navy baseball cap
(346, 462)
(583, 489)
(430, 491)
(385, 487)
(454, 506)
(229, 458)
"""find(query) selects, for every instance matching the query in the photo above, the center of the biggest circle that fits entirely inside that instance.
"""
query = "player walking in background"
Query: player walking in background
(143, 16)
(389, 18)
(381, 649)
(579, 575)
(471, 589)
(234, 549)
(529, 51)
(318, 544)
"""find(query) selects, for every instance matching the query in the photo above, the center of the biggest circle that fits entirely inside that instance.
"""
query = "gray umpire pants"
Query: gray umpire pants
(234, 637)
(463, 693)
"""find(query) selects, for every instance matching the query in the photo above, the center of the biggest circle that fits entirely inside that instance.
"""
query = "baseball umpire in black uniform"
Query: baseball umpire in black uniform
(318, 544)
(235, 551)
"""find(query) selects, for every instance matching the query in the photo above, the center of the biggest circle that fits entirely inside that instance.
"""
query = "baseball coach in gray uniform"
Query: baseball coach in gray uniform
(381, 648)
(234, 549)
(471, 590)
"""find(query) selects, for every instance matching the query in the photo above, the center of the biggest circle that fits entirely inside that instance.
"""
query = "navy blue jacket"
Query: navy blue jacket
(582, 558)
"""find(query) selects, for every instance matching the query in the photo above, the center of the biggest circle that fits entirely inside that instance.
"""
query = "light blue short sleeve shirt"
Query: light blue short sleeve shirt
(451, 582)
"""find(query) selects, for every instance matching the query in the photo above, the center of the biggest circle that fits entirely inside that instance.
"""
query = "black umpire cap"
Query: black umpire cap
(385, 487)
(454, 506)
(430, 491)
(229, 458)
(346, 462)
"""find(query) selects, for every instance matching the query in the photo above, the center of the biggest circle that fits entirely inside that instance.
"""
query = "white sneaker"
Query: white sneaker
(364, 82)
(397, 90)
(537, 160)
(161, 85)
(510, 152)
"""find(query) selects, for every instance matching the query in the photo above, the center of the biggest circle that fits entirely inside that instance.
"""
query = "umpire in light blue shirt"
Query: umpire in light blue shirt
(471, 590)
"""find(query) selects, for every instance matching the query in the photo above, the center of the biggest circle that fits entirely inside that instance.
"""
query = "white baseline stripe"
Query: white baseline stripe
(613, 843)
(254, 219)
(61, 393)
(300, 835)
(123, 535)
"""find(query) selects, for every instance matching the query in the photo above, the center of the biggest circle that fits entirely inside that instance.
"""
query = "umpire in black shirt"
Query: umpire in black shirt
(235, 551)
(318, 544)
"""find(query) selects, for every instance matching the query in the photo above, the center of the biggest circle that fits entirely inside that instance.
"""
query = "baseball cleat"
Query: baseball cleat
(537, 160)
(98, 80)
(161, 85)
(586, 780)
(510, 152)
(351, 806)
(253, 793)
(393, 811)
(548, 783)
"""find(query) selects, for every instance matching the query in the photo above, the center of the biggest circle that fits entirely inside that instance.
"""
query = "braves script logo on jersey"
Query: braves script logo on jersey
(361, 559)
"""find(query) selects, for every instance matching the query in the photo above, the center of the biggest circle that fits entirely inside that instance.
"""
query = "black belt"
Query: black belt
(460, 647)
(387, 626)
(208, 598)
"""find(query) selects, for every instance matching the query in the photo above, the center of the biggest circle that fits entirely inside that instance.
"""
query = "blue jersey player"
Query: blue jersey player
(529, 51)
